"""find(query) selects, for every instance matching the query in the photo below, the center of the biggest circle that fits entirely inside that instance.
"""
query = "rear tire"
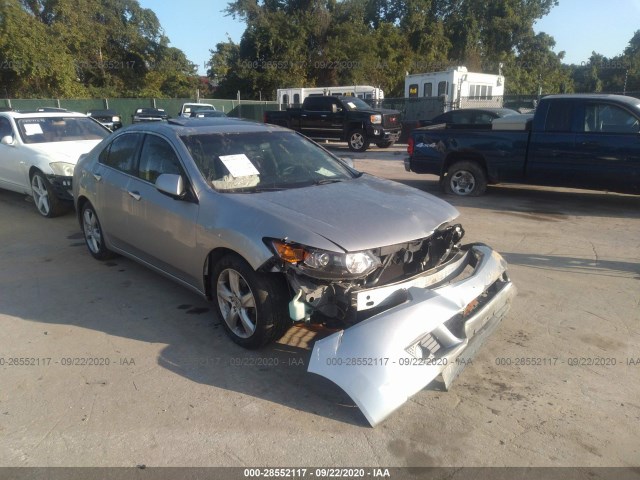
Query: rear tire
(251, 305)
(465, 178)
(358, 141)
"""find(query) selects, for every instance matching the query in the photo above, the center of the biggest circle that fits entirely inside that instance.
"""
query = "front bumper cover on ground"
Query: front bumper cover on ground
(385, 359)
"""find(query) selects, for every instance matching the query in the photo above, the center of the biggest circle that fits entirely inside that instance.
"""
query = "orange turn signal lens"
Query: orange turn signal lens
(289, 253)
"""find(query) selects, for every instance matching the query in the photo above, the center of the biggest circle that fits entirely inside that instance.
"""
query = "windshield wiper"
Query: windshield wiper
(325, 181)
(253, 189)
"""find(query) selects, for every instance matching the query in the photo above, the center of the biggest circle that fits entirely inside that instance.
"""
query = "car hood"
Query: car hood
(63, 151)
(359, 214)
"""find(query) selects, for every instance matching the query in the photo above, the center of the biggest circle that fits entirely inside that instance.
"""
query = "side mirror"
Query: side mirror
(171, 184)
(7, 140)
(335, 108)
(348, 161)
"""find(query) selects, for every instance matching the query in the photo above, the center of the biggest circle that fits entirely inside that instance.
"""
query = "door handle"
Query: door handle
(135, 195)
(589, 144)
(303, 116)
(97, 176)
(323, 116)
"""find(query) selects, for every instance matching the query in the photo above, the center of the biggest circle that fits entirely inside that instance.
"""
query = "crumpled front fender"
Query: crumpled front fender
(382, 361)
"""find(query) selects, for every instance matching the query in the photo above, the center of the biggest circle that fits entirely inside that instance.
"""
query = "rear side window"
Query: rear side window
(559, 117)
(317, 104)
(157, 157)
(121, 153)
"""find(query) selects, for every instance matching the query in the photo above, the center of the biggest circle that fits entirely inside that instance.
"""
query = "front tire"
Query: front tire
(465, 178)
(93, 236)
(47, 203)
(251, 305)
(358, 141)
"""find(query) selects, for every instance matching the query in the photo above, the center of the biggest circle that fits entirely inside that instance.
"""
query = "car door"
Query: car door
(335, 119)
(552, 158)
(608, 147)
(13, 175)
(314, 116)
(113, 174)
(163, 228)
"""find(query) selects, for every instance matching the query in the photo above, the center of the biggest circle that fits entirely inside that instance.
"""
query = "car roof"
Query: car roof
(483, 110)
(191, 126)
(597, 96)
(16, 114)
(107, 111)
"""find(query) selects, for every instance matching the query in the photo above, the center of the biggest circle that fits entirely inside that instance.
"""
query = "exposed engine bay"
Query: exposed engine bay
(334, 301)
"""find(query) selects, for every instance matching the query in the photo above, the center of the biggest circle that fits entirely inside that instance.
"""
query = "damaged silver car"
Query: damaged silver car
(274, 229)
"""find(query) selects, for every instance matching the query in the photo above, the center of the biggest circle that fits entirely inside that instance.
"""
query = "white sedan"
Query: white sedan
(39, 151)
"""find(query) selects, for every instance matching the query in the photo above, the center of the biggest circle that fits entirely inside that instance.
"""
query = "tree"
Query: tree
(88, 47)
(327, 43)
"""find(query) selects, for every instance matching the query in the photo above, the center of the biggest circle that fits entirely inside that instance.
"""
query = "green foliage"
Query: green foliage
(79, 48)
(618, 74)
(329, 42)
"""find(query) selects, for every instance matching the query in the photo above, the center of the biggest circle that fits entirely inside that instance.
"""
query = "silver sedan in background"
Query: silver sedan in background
(274, 229)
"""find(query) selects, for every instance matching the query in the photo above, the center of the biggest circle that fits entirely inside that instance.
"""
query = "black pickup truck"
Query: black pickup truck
(341, 118)
(582, 141)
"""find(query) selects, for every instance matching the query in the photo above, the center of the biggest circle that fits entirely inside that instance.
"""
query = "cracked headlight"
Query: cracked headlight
(62, 169)
(325, 264)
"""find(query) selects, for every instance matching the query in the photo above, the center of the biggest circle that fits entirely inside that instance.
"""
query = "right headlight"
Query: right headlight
(324, 264)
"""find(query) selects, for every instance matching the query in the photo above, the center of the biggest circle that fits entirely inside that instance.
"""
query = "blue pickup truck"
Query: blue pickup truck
(582, 141)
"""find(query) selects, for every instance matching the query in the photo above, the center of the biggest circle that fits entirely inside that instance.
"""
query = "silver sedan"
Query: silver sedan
(274, 229)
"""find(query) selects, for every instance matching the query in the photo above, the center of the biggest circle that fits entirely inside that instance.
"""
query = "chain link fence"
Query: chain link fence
(126, 107)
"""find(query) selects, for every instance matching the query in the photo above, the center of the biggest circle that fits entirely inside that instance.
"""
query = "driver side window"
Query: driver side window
(607, 118)
(157, 157)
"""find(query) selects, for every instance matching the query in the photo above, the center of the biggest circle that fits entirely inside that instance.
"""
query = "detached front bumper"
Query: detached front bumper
(385, 359)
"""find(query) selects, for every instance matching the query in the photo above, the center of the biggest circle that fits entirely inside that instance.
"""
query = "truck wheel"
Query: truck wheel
(358, 141)
(465, 179)
(384, 144)
(251, 305)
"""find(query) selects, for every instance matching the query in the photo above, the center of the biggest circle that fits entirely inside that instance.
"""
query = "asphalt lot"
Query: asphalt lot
(556, 385)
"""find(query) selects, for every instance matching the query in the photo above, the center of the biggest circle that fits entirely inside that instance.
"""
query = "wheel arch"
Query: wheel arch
(213, 257)
(464, 157)
(353, 126)
(32, 170)
(80, 203)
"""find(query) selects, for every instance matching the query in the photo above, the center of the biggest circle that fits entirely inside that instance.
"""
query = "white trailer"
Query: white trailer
(294, 96)
(460, 87)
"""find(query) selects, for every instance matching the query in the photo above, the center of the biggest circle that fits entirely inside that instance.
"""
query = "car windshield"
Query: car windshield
(59, 129)
(259, 161)
(354, 103)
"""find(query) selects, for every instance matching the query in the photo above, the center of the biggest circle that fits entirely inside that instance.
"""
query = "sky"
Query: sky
(579, 27)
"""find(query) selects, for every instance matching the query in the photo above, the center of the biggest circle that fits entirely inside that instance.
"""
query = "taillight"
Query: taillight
(410, 146)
